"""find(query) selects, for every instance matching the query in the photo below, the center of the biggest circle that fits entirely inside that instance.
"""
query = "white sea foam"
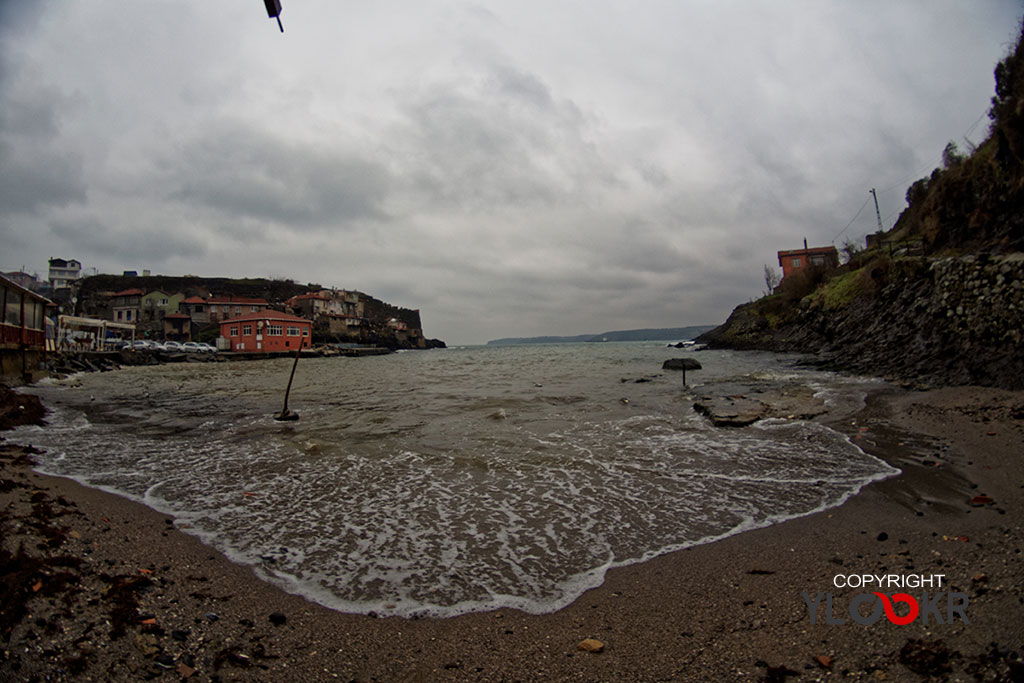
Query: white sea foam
(397, 498)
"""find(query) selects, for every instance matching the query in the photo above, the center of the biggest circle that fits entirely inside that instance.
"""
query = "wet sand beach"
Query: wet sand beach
(97, 587)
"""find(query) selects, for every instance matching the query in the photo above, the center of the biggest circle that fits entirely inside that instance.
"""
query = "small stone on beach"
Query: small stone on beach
(591, 645)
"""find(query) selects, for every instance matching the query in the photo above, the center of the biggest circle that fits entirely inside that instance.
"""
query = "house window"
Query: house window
(233, 331)
(274, 330)
(305, 331)
(163, 302)
(817, 260)
(246, 330)
(213, 308)
(252, 308)
(120, 315)
(128, 316)
(199, 308)
(796, 263)
(293, 331)
(238, 310)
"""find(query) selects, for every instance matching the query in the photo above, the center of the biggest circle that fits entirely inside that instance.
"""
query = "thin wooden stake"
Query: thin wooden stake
(285, 413)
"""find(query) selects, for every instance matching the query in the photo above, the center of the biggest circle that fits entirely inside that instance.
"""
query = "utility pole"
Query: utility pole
(878, 214)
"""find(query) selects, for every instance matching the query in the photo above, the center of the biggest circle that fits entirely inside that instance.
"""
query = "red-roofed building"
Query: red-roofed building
(264, 331)
(796, 259)
(217, 308)
(225, 307)
(126, 306)
(178, 326)
(309, 305)
(332, 302)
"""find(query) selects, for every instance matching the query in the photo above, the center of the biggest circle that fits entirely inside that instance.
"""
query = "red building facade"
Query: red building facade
(266, 331)
(796, 259)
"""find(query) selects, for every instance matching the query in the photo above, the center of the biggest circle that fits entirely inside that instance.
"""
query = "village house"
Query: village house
(309, 305)
(264, 331)
(195, 308)
(796, 259)
(214, 309)
(126, 306)
(335, 302)
(177, 327)
(226, 307)
(337, 311)
(64, 272)
(26, 280)
(157, 305)
(345, 325)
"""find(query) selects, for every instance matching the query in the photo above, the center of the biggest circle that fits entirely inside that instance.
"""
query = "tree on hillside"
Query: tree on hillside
(771, 280)
(951, 156)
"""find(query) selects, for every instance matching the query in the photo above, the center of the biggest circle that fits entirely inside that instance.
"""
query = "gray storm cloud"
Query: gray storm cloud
(510, 169)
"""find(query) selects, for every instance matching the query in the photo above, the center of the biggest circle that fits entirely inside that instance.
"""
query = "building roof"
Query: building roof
(129, 292)
(194, 300)
(237, 300)
(265, 315)
(812, 250)
(311, 295)
(176, 316)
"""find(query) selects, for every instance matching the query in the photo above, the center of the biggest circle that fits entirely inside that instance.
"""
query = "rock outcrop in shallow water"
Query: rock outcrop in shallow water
(726, 407)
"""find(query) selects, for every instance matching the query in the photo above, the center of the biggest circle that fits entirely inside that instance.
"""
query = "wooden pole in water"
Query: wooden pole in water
(285, 413)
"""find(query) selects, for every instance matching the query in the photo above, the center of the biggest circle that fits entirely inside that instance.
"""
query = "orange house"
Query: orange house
(827, 257)
(265, 331)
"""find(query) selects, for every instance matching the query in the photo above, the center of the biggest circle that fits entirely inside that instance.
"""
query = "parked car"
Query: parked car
(115, 344)
(191, 347)
(172, 346)
(143, 345)
(206, 348)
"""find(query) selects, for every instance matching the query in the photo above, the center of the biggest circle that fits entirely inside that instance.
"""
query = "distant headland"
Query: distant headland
(662, 334)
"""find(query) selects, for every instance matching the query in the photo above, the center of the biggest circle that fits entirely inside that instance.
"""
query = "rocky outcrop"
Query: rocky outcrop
(941, 321)
(19, 409)
(731, 411)
(728, 404)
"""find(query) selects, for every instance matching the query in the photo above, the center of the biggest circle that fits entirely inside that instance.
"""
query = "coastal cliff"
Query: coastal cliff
(939, 299)
(941, 321)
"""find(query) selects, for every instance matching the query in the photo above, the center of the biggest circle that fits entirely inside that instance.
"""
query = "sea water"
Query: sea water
(447, 481)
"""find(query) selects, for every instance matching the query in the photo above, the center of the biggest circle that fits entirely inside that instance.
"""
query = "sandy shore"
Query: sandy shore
(97, 587)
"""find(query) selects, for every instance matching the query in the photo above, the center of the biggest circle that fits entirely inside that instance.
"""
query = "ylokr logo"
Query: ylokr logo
(927, 607)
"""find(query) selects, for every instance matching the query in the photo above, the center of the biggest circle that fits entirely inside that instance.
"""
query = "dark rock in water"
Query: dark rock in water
(19, 409)
(731, 411)
(680, 364)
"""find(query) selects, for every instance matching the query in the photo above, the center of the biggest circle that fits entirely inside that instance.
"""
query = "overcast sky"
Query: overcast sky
(508, 168)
